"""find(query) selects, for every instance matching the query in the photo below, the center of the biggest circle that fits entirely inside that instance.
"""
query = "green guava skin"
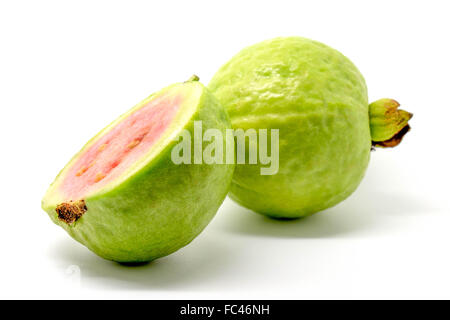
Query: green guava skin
(318, 100)
(158, 209)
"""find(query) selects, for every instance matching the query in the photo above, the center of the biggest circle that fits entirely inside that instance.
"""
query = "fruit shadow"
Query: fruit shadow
(192, 265)
(362, 213)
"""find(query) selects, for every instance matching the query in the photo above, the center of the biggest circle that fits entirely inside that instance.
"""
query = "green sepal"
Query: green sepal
(388, 124)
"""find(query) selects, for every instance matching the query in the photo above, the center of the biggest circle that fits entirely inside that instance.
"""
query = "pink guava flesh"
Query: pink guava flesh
(119, 148)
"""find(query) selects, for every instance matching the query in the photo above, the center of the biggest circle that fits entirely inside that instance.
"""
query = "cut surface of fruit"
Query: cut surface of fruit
(121, 146)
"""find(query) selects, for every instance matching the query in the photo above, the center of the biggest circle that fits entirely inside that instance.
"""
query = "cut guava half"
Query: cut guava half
(122, 195)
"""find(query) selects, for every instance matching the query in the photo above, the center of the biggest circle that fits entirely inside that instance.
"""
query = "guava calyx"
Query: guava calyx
(71, 211)
(388, 124)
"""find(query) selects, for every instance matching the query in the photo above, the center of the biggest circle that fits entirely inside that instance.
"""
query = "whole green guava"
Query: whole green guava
(318, 100)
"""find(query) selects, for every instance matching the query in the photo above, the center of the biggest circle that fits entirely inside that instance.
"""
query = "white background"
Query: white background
(69, 68)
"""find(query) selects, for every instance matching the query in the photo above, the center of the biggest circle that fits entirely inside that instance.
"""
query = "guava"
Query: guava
(124, 198)
(318, 101)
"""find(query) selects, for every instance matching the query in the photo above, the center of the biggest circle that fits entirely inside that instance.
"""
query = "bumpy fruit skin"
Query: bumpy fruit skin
(318, 100)
(161, 207)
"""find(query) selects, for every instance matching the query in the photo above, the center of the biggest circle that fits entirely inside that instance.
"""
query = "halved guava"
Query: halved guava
(124, 198)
